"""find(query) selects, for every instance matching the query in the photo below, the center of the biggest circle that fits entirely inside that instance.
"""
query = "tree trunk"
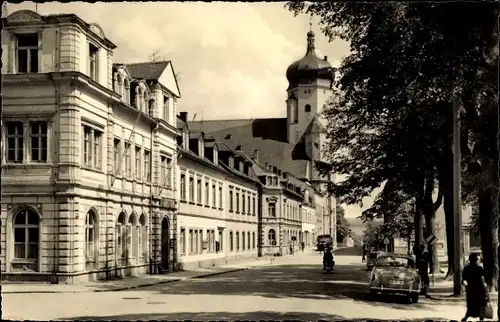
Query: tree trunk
(489, 242)
(430, 223)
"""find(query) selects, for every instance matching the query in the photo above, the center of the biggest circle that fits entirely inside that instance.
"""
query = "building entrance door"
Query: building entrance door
(165, 244)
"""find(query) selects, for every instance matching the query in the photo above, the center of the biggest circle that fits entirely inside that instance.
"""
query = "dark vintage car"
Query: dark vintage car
(395, 274)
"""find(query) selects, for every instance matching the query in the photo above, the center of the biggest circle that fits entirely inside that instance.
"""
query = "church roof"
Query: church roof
(268, 136)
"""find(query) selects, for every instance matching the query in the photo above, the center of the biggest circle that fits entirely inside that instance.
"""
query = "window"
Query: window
(121, 246)
(165, 108)
(248, 238)
(117, 156)
(26, 236)
(220, 197)
(93, 69)
(295, 113)
(207, 194)
(182, 241)
(237, 241)
(249, 204)
(307, 108)
(272, 209)
(191, 242)
(132, 245)
(142, 238)
(15, 142)
(253, 240)
(128, 159)
(27, 53)
(198, 190)
(243, 203)
(230, 200)
(237, 202)
(138, 163)
(166, 171)
(191, 189)
(214, 196)
(183, 186)
(196, 245)
(243, 241)
(253, 205)
(147, 164)
(90, 237)
(221, 241)
(38, 141)
(271, 236)
(92, 154)
(231, 241)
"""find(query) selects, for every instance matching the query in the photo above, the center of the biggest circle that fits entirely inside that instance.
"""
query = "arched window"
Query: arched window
(142, 238)
(90, 239)
(271, 236)
(26, 238)
(120, 239)
(307, 108)
(132, 245)
(119, 85)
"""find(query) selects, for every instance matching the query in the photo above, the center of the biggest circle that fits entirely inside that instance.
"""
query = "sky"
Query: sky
(230, 58)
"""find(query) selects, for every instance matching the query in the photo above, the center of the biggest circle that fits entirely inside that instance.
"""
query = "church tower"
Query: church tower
(310, 81)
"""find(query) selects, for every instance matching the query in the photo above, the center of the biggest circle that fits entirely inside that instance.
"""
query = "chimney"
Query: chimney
(183, 116)
(326, 58)
(256, 155)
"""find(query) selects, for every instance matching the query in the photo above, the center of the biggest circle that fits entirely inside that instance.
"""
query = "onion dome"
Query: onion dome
(309, 68)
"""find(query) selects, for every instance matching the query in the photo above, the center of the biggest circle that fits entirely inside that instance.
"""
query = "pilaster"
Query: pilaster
(70, 132)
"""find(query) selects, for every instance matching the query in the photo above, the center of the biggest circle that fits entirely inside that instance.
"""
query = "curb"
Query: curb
(134, 286)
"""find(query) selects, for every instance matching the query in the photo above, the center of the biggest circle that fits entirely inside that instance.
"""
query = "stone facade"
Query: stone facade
(84, 179)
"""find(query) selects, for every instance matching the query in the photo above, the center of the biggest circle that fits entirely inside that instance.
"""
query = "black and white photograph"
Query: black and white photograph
(209, 161)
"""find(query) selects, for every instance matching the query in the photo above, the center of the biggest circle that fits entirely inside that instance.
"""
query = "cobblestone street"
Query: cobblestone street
(291, 288)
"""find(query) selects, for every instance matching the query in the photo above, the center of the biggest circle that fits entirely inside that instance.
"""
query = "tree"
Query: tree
(391, 115)
(343, 227)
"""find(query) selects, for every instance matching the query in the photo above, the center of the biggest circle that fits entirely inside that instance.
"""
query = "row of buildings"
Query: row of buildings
(103, 176)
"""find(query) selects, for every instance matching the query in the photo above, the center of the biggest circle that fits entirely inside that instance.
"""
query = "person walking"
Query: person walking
(423, 268)
(477, 295)
(363, 258)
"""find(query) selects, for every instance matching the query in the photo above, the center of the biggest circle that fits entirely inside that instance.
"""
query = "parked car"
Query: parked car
(395, 274)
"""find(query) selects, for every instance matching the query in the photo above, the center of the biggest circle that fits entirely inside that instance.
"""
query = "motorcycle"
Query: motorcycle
(328, 267)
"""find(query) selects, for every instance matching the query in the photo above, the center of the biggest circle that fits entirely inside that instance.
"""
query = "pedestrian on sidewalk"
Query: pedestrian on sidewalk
(303, 245)
(423, 268)
(363, 258)
(477, 294)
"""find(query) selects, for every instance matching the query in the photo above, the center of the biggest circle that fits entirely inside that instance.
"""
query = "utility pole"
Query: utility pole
(457, 200)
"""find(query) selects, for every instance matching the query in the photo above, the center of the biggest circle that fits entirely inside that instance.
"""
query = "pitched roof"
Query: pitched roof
(148, 70)
(268, 136)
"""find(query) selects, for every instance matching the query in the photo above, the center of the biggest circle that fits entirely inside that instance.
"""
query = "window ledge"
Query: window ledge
(85, 167)
(24, 261)
(27, 165)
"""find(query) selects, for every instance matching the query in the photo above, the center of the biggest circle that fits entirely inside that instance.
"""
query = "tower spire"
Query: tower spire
(310, 39)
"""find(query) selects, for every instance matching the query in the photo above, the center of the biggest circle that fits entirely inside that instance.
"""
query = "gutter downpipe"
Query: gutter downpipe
(152, 263)
(55, 262)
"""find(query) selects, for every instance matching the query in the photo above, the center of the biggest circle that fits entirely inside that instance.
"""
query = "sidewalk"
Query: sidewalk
(442, 290)
(128, 283)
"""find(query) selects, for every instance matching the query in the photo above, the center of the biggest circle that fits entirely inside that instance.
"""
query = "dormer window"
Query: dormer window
(269, 181)
(241, 166)
(201, 149)
(151, 106)
(231, 162)
(275, 181)
(126, 91)
(216, 156)
(93, 58)
(27, 53)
